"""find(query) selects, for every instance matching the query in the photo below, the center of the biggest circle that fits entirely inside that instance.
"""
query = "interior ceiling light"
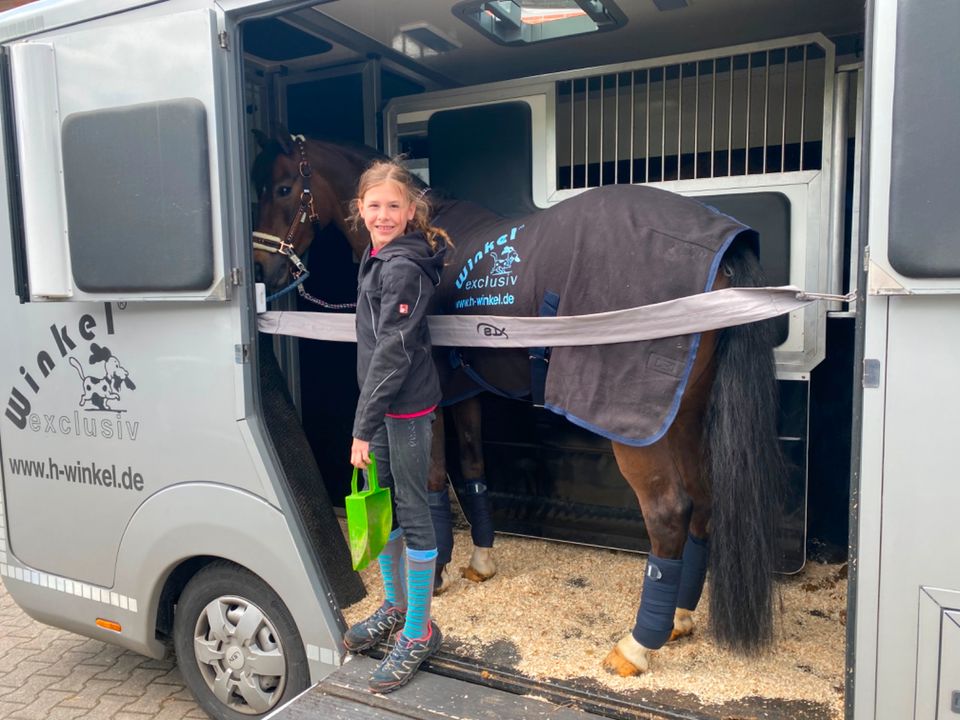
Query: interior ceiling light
(520, 22)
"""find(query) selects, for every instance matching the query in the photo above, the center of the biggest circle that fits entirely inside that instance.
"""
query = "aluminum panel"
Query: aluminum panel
(122, 62)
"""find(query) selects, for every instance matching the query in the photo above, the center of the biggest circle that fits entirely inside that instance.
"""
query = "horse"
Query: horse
(708, 482)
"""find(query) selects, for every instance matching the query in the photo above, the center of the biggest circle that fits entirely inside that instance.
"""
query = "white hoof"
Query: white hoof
(482, 566)
(446, 581)
(483, 562)
(628, 658)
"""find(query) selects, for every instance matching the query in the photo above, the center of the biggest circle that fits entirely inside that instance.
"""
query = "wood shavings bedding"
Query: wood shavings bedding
(555, 610)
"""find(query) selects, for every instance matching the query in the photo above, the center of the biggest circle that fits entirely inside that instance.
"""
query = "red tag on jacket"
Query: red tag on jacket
(404, 309)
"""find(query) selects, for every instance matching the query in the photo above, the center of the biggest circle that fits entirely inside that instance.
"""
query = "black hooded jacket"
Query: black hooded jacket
(394, 357)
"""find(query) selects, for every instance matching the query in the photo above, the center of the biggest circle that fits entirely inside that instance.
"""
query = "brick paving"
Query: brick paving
(51, 674)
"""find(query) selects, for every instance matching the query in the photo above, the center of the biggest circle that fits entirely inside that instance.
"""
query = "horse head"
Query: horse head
(302, 187)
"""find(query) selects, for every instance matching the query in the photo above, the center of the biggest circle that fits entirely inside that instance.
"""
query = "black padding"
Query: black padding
(137, 184)
(769, 214)
(275, 40)
(307, 490)
(484, 154)
(924, 240)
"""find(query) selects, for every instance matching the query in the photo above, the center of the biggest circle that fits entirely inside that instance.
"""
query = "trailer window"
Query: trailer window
(924, 212)
(750, 113)
(137, 186)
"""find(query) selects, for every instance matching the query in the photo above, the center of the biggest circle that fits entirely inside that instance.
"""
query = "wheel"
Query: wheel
(237, 645)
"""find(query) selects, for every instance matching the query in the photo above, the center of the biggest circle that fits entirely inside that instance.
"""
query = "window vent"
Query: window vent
(741, 114)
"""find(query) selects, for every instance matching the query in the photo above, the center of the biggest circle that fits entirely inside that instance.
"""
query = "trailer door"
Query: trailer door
(118, 133)
(124, 175)
(907, 598)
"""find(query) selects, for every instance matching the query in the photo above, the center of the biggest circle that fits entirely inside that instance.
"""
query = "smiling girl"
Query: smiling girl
(399, 391)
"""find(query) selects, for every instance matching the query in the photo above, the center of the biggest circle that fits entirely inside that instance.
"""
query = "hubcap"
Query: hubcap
(239, 655)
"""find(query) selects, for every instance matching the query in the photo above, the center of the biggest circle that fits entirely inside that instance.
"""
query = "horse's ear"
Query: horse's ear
(282, 136)
(261, 137)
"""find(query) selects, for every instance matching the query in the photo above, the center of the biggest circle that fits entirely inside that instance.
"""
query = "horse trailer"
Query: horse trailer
(138, 357)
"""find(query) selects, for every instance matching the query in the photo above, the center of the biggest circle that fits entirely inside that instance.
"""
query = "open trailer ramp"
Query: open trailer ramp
(344, 694)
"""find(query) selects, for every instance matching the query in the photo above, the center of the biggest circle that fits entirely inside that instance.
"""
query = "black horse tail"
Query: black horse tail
(746, 469)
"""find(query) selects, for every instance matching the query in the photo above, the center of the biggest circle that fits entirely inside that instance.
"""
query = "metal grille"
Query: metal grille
(742, 114)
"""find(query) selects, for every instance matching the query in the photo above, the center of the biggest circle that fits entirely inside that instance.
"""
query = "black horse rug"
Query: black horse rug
(610, 248)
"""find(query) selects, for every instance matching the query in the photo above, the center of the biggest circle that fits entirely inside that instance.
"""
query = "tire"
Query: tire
(255, 662)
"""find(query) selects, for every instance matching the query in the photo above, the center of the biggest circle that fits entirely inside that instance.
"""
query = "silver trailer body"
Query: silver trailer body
(133, 442)
(907, 605)
(105, 499)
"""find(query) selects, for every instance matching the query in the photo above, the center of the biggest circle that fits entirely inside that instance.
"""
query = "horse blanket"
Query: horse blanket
(606, 249)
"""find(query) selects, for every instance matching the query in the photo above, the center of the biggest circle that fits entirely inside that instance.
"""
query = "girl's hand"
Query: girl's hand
(360, 454)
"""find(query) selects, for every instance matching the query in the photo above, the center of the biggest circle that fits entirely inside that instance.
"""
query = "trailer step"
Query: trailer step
(344, 694)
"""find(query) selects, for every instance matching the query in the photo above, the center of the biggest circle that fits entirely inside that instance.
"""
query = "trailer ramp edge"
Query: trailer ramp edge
(429, 696)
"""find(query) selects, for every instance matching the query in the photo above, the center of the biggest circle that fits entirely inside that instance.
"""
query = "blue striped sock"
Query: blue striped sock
(420, 567)
(391, 568)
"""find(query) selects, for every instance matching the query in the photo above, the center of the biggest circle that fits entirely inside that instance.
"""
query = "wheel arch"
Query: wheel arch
(182, 529)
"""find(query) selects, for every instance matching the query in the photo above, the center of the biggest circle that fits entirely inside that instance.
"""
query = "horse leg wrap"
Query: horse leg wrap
(696, 555)
(476, 506)
(658, 602)
(439, 503)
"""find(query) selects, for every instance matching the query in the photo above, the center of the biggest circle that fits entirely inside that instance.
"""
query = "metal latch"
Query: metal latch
(224, 40)
(871, 373)
(236, 276)
(241, 353)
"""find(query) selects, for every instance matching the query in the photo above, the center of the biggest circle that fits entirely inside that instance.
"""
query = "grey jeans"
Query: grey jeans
(402, 450)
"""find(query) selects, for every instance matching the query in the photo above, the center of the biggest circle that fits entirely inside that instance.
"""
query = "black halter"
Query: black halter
(306, 210)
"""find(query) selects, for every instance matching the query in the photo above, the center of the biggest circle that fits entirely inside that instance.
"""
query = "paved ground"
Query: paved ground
(51, 674)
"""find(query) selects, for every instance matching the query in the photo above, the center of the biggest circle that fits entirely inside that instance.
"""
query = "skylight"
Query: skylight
(520, 22)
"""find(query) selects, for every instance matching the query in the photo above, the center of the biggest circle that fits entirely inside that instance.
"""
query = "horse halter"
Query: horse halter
(284, 246)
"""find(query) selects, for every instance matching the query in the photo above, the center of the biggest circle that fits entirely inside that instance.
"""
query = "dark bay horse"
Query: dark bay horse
(708, 482)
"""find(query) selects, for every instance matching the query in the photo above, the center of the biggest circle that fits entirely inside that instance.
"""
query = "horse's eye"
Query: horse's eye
(284, 190)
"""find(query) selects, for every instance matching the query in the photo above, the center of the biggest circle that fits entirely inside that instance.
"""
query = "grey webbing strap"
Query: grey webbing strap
(691, 314)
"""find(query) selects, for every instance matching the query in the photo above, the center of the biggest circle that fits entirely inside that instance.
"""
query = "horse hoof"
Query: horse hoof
(445, 582)
(616, 664)
(473, 575)
(682, 624)
(627, 658)
(483, 562)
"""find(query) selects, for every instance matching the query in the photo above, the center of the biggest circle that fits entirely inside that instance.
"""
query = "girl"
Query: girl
(399, 390)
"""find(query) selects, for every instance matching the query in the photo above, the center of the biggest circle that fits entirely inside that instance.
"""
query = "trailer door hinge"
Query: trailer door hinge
(241, 353)
(871, 373)
(236, 276)
(224, 40)
(866, 258)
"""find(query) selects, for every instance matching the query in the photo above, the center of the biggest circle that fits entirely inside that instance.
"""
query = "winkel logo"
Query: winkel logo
(100, 391)
(102, 386)
(500, 274)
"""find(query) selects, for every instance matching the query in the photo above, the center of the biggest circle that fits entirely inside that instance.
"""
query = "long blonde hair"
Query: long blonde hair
(382, 171)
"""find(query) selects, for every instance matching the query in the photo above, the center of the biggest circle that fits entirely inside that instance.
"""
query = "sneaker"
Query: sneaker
(367, 633)
(397, 668)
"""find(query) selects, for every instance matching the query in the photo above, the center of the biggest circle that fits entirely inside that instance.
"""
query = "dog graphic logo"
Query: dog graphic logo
(101, 391)
(503, 260)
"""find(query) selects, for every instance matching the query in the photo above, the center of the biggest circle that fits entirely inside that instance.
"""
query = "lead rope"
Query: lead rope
(323, 303)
